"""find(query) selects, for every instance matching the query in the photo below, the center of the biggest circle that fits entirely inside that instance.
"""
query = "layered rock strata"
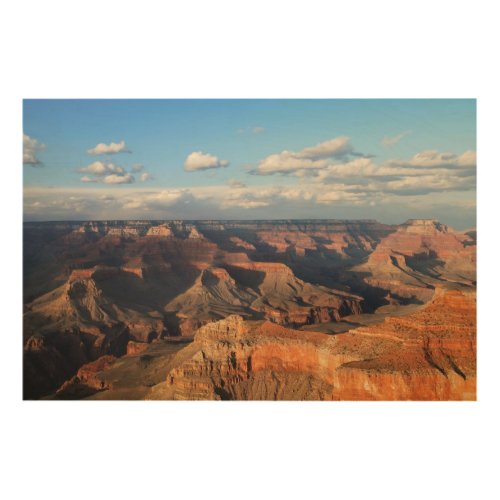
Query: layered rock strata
(429, 355)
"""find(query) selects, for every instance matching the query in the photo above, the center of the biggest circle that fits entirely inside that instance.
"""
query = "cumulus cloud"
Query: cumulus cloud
(359, 167)
(119, 179)
(389, 141)
(203, 161)
(100, 168)
(426, 172)
(137, 167)
(334, 148)
(108, 149)
(287, 162)
(168, 197)
(31, 147)
(106, 172)
(327, 176)
(311, 158)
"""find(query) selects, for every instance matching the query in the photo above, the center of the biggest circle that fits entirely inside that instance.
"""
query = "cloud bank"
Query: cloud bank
(325, 180)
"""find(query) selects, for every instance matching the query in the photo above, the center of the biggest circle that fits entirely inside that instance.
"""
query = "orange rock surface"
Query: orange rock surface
(134, 348)
(428, 355)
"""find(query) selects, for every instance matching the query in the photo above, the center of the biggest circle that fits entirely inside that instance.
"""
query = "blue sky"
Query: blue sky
(239, 169)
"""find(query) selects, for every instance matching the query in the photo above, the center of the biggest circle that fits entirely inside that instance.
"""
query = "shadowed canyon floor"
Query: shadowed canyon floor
(300, 310)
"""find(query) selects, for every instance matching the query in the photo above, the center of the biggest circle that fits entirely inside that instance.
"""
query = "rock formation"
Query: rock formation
(117, 288)
(429, 355)
(162, 230)
(419, 256)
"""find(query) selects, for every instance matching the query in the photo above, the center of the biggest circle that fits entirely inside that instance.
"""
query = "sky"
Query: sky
(388, 160)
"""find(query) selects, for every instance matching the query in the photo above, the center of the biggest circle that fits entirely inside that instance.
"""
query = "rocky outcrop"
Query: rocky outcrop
(78, 322)
(134, 348)
(86, 381)
(49, 360)
(123, 232)
(162, 230)
(214, 295)
(419, 256)
(274, 292)
(288, 300)
(194, 234)
(429, 355)
(238, 242)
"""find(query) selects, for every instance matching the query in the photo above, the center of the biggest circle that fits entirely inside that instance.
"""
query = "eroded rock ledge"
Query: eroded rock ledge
(429, 355)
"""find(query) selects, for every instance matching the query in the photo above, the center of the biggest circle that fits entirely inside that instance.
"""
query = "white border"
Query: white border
(249, 49)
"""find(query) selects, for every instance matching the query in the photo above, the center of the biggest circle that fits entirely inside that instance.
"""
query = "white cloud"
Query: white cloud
(245, 204)
(329, 197)
(146, 176)
(31, 147)
(119, 179)
(168, 197)
(434, 159)
(424, 184)
(137, 167)
(106, 172)
(402, 198)
(288, 162)
(297, 194)
(426, 172)
(311, 158)
(203, 161)
(109, 149)
(394, 139)
(334, 148)
(245, 197)
(157, 200)
(355, 168)
(100, 168)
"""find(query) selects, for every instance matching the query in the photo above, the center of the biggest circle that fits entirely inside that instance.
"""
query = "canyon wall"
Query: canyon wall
(103, 288)
(429, 355)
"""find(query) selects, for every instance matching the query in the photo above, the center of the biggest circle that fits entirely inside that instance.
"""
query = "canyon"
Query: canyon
(276, 309)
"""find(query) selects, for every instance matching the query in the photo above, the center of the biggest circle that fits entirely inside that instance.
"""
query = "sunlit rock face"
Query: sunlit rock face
(429, 355)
